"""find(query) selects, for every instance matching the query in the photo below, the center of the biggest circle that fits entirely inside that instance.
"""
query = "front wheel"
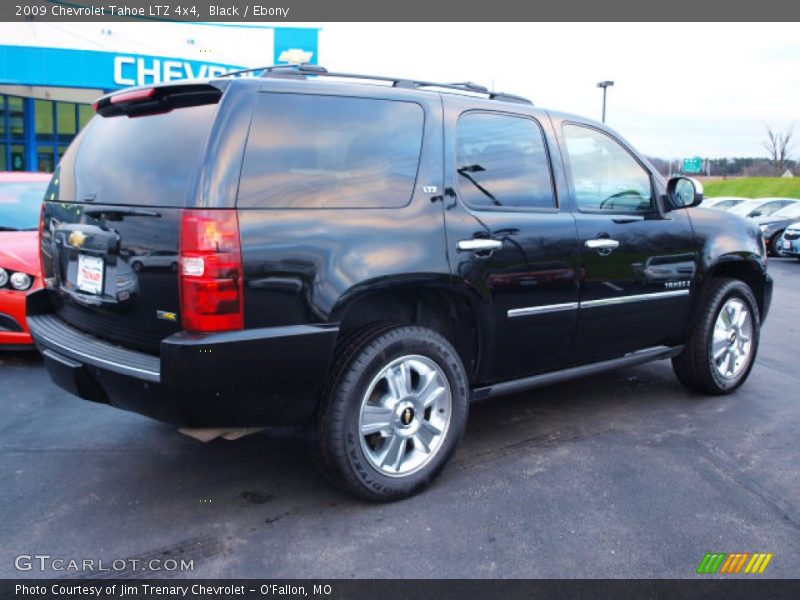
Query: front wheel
(394, 414)
(722, 347)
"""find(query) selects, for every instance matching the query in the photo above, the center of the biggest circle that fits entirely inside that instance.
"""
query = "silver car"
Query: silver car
(790, 241)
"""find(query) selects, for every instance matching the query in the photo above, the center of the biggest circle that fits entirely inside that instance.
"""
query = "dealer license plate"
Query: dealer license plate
(90, 274)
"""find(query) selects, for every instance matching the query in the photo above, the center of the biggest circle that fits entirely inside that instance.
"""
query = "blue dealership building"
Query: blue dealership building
(50, 73)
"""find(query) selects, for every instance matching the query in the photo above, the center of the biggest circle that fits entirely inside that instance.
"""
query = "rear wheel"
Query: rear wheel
(722, 347)
(394, 414)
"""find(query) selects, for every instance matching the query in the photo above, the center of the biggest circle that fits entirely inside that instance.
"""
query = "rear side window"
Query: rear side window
(502, 162)
(307, 151)
(147, 160)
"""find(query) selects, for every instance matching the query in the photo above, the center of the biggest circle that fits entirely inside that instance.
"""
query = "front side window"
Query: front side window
(604, 174)
(501, 162)
(309, 151)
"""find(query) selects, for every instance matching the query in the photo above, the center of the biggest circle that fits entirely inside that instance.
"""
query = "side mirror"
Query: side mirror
(683, 192)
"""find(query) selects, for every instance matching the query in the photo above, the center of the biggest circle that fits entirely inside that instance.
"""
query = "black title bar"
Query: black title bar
(409, 10)
(402, 589)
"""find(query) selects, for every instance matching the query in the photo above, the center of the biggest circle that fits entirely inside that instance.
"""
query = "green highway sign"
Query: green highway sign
(693, 165)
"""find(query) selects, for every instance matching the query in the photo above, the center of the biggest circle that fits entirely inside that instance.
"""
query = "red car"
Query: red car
(21, 197)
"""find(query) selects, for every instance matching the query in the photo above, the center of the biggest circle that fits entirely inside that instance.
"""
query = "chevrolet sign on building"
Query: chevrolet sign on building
(50, 77)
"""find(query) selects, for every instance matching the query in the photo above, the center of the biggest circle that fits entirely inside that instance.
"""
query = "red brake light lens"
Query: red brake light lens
(211, 282)
(132, 96)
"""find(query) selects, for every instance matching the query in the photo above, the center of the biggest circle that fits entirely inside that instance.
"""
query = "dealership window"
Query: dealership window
(12, 129)
(85, 113)
(45, 123)
(16, 118)
(54, 125)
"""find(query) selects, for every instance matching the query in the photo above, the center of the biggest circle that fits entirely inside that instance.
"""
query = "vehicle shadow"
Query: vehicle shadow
(277, 468)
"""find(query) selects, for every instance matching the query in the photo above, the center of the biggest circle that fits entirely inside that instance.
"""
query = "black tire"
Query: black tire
(137, 266)
(774, 243)
(359, 360)
(694, 366)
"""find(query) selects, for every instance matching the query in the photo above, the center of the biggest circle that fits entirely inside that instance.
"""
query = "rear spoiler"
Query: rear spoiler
(135, 102)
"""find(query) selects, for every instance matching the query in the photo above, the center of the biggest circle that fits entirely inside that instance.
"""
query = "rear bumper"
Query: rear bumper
(270, 376)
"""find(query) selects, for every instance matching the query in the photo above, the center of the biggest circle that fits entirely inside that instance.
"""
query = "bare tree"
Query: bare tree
(779, 144)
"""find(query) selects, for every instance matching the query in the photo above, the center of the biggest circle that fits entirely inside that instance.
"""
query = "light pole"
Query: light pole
(604, 85)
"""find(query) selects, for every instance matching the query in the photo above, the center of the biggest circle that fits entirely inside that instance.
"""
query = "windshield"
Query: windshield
(745, 208)
(726, 204)
(771, 207)
(788, 212)
(20, 203)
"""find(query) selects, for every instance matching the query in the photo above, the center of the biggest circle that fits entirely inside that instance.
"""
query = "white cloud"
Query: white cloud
(681, 89)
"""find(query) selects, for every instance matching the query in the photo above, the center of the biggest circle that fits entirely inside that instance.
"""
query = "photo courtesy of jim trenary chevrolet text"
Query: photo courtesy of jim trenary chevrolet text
(352, 300)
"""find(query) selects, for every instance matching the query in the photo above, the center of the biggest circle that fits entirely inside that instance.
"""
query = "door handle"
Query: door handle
(479, 245)
(602, 245)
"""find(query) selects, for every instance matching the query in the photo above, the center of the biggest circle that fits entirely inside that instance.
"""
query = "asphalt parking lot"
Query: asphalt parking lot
(622, 475)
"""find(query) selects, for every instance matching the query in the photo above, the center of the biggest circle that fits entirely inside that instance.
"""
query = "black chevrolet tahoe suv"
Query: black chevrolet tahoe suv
(365, 256)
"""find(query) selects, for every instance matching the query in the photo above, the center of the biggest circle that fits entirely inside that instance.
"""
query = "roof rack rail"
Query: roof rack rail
(304, 69)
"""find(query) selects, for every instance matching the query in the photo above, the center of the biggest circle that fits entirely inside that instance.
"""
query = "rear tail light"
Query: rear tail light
(210, 270)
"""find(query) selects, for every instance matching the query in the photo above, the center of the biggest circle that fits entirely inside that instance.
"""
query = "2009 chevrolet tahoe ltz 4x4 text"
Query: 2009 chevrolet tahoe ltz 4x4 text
(367, 255)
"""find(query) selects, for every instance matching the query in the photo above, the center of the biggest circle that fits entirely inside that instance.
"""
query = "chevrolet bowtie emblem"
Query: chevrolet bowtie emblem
(76, 239)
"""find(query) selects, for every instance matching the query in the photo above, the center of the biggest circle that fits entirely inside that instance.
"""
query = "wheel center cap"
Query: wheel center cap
(407, 416)
(732, 337)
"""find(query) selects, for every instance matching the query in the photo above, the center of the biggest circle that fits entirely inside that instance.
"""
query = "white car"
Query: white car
(159, 259)
(761, 207)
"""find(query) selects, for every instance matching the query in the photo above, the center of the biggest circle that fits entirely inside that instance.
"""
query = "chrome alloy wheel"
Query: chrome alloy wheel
(405, 414)
(731, 343)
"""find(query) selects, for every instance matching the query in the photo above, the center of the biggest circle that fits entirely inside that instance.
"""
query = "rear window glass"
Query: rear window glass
(147, 160)
(309, 151)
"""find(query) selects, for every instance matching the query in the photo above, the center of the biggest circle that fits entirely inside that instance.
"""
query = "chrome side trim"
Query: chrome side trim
(551, 308)
(634, 298)
(541, 310)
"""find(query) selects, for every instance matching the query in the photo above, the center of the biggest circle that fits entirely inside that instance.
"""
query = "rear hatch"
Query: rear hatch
(111, 223)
